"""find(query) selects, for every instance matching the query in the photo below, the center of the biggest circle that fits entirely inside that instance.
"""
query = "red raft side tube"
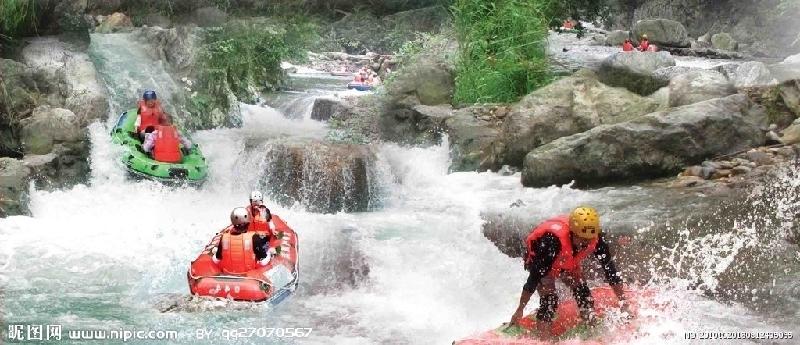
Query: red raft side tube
(567, 318)
(271, 283)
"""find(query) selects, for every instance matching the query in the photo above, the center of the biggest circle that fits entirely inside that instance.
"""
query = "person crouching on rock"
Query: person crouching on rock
(555, 249)
(260, 216)
(163, 142)
(238, 251)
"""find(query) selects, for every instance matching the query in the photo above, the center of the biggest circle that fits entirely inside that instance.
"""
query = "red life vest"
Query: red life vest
(148, 116)
(167, 145)
(627, 47)
(644, 45)
(238, 256)
(565, 260)
(258, 219)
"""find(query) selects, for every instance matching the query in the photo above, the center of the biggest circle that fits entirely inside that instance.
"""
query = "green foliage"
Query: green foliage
(243, 58)
(502, 49)
(16, 16)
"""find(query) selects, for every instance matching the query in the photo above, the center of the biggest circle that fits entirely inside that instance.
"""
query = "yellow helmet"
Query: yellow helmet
(585, 222)
(644, 35)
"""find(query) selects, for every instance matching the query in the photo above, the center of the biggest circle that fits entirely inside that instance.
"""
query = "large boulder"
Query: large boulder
(617, 37)
(655, 145)
(565, 107)
(662, 32)
(72, 76)
(14, 177)
(753, 74)
(790, 94)
(724, 41)
(48, 127)
(634, 71)
(430, 81)
(179, 46)
(473, 137)
(20, 93)
(325, 107)
(323, 177)
(113, 23)
(791, 134)
(697, 86)
(667, 73)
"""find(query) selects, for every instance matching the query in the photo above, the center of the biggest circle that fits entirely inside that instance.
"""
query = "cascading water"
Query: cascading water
(416, 270)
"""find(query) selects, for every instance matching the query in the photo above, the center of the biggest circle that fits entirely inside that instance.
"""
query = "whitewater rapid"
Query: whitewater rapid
(416, 271)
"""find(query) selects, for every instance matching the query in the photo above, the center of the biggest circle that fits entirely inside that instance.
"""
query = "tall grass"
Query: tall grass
(502, 49)
(16, 16)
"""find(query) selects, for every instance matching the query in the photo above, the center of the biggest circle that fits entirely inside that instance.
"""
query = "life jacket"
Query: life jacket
(358, 79)
(258, 219)
(167, 145)
(238, 256)
(644, 45)
(148, 116)
(565, 260)
(652, 48)
(627, 47)
(568, 24)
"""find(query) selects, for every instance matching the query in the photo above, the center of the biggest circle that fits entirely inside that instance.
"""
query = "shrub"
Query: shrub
(17, 16)
(243, 58)
(502, 54)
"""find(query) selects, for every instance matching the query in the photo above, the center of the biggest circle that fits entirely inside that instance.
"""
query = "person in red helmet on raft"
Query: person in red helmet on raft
(260, 216)
(555, 250)
(239, 251)
(149, 112)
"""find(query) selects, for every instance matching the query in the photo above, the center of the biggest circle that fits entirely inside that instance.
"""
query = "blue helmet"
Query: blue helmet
(149, 94)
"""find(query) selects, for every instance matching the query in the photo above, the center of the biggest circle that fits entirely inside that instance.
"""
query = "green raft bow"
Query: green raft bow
(192, 169)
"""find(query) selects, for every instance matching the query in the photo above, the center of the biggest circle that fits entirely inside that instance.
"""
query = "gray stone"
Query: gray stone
(48, 127)
(791, 134)
(728, 70)
(14, 178)
(662, 32)
(760, 158)
(724, 41)
(428, 82)
(324, 108)
(753, 74)
(565, 107)
(72, 74)
(113, 23)
(635, 71)
(697, 86)
(617, 37)
(741, 170)
(655, 145)
(473, 142)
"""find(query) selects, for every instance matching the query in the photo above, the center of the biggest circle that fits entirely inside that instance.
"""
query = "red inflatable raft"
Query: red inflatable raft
(567, 319)
(271, 283)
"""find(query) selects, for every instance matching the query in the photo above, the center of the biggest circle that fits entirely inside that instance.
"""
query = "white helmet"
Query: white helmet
(256, 197)
(240, 218)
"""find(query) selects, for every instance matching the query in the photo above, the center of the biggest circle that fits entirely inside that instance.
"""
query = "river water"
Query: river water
(112, 253)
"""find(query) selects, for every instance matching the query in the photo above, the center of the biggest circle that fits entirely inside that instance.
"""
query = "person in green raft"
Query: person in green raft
(162, 142)
(556, 248)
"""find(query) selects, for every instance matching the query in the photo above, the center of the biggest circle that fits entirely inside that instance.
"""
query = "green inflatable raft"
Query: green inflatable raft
(192, 170)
